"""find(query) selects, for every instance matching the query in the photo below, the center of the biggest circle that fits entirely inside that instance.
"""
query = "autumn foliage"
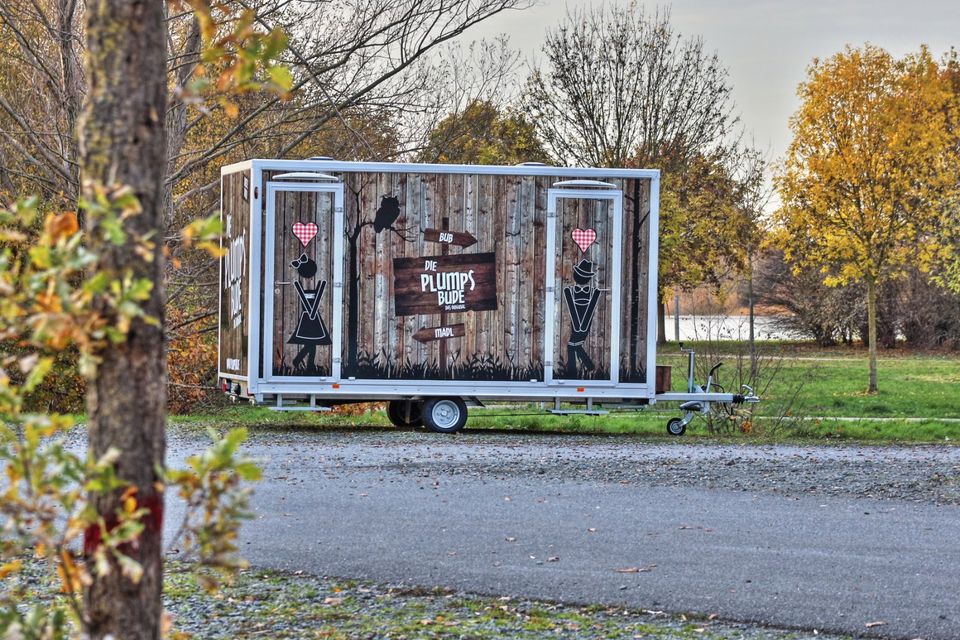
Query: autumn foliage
(872, 168)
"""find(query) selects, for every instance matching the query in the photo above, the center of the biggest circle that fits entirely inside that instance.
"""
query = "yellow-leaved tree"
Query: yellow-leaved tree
(872, 166)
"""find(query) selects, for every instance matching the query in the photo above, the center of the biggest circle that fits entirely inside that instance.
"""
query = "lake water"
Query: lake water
(727, 328)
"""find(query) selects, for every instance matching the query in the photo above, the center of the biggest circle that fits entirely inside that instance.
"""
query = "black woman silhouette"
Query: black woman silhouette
(310, 330)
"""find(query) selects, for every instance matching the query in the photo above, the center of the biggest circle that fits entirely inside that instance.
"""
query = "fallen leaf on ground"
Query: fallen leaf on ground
(644, 569)
(333, 601)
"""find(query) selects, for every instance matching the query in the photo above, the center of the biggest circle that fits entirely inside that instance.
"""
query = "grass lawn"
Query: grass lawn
(804, 392)
(834, 383)
(259, 604)
(275, 604)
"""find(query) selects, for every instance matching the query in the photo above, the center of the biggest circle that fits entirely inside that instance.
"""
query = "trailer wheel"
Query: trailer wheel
(444, 415)
(397, 413)
(675, 427)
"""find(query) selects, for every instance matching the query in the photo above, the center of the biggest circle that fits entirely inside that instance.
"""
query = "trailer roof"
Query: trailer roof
(407, 167)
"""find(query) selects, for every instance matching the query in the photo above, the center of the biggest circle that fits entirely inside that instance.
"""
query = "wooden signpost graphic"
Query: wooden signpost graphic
(456, 238)
(426, 334)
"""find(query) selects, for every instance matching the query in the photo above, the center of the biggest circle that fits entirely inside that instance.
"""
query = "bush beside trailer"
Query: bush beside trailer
(437, 286)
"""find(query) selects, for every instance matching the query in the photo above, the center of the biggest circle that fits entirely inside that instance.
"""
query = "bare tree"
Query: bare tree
(41, 96)
(755, 192)
(618, 87)
(812, 310)
(347, 54)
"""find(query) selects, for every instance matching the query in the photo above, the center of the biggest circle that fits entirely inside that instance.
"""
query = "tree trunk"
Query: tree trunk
(177, 117)
(751, 305)
(872, 332)
(123, 143)
(661, 321)
(676, 317)
(72, 92)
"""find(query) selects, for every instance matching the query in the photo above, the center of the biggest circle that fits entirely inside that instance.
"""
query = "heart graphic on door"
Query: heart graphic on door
(305, 231)
(584, 238)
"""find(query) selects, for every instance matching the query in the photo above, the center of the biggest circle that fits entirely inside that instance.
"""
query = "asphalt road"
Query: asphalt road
(388, 507)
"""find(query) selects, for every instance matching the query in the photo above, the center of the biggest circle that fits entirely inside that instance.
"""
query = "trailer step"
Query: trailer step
(278, 405)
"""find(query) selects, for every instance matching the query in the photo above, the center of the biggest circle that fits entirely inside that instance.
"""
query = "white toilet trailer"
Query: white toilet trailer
(437, 286)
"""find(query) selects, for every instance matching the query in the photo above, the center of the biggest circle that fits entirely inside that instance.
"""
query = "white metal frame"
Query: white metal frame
(549, 335)
(336, 166)
(336, 290)
(220, 373)
(254, 320)
(258, 385)
(653, 260)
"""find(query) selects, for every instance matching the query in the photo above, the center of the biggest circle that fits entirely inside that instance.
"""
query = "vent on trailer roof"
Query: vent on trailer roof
(305, 175)
(585, 183)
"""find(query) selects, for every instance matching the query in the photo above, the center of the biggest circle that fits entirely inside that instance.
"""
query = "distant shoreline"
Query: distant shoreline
(729, 327)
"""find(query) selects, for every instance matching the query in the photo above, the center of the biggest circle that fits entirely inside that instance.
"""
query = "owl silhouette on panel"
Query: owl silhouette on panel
(387, 214)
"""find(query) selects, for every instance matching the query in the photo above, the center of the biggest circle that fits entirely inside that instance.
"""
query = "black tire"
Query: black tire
(397, 413)
(444, 415)
(675, 427)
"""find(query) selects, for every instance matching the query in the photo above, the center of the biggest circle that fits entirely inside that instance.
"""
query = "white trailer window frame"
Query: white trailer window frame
(549, 337)
(336, 331)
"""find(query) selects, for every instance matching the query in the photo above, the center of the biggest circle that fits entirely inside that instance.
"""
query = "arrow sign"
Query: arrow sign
(427, 334)
(458, 238)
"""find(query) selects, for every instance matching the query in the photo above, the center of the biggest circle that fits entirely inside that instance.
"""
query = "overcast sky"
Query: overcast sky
(767, 45)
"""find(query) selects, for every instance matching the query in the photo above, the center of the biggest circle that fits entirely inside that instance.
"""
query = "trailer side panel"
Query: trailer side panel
(234, 274)
(445, 278)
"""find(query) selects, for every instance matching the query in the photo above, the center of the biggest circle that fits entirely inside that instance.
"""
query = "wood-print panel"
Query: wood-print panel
(421, 217)
(634, 283)
(234, 272)
(583, 288)
(303, 284)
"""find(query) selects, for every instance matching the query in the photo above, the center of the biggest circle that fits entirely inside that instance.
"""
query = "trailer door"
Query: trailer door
(303, 278)
(582, 310)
